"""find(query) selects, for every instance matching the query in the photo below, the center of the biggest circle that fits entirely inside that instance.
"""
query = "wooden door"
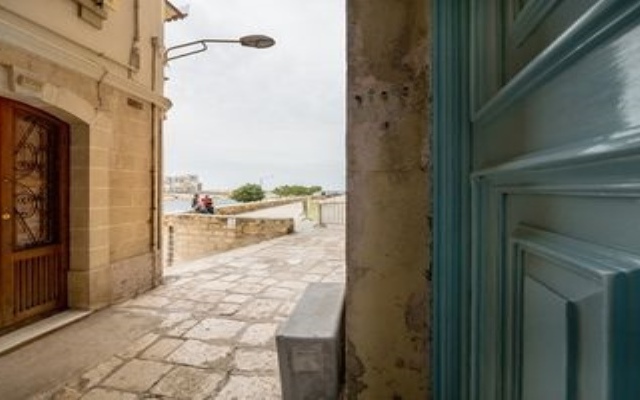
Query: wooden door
(33, 214)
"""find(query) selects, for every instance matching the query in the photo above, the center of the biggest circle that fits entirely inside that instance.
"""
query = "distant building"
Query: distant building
(182, 184)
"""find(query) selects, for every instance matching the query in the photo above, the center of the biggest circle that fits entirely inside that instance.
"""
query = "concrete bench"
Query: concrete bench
(310, 345)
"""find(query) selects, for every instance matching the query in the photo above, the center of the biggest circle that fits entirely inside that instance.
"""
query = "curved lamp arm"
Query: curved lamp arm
(255, 41)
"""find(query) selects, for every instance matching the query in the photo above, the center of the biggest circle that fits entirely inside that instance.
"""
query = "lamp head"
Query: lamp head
(257, 41)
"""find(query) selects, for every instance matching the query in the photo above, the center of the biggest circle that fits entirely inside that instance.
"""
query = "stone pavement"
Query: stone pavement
(216, 322)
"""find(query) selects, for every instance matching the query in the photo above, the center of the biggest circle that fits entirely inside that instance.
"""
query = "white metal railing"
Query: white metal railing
(333, 211)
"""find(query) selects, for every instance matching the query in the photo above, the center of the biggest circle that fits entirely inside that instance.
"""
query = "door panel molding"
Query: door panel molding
(529, 17)
(489, 211)
(602, 148)
(605, 179)
(602, 285)
(548, 334)
(604, 20)
(532, 27)
(486, 66)
(599, 283)
(612, 190)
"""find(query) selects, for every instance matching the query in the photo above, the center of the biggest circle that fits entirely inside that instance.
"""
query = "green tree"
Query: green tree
(296, 190)
(248, 192)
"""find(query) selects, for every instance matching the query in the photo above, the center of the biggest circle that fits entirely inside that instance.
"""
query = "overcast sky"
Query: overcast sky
(243, 115)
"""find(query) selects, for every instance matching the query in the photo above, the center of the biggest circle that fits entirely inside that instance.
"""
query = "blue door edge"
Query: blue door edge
(451, 195)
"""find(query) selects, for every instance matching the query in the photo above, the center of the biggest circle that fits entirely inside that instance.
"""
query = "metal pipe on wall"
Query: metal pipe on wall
(156, 159)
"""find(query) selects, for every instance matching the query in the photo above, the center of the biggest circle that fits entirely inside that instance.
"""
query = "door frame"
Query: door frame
(452, 199)
(89, 131)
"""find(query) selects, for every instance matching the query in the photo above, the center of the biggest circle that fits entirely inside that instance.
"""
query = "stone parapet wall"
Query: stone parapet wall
(241, 208)
(189, 236)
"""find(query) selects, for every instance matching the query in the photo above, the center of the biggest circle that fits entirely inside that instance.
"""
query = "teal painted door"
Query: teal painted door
(554, 143)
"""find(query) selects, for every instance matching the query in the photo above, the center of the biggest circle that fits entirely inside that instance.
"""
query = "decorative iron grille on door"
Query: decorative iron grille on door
(34, 191)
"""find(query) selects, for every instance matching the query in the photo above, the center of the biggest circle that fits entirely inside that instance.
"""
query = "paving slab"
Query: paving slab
(253, 360)
(251, 388)
(188, 383)
(109, 394)
(137, 375)
(215, 328)
(260, 334)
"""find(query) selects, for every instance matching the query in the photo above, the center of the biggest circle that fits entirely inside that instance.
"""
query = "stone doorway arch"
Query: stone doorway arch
(88, 273)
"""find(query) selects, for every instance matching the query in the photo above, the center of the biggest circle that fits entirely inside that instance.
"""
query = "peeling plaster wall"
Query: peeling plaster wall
(388, 233)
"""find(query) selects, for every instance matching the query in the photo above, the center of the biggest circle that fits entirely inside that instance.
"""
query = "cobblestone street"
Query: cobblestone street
(217, 319)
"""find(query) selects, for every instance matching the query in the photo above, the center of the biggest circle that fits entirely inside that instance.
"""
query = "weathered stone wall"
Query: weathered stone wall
(134, 276)
(388, 233)
(240, 208)
(188, 236)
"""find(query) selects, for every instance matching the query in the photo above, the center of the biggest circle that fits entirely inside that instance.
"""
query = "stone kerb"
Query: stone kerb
(310, 344)
(189, 235)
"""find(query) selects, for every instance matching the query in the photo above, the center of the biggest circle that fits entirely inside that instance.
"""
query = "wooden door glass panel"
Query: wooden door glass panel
(35, 194)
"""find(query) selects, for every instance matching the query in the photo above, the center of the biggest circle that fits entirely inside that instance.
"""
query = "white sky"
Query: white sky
(243, 115)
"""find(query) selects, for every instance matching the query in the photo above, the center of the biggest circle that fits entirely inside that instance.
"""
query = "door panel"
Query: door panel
(575, 308)
(34, 171)
(555, 159)
(547, 322)
(532, 25)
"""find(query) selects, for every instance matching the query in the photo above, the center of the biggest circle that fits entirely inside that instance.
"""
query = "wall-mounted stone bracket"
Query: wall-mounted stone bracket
(25, 83)
(92, 11)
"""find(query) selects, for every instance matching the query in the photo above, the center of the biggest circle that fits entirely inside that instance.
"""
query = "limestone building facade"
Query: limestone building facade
(81, 100)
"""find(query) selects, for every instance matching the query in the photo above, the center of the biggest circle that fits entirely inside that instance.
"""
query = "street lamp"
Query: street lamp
(255, 41)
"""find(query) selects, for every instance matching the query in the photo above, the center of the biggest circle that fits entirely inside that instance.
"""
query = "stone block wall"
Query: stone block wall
(188, 236)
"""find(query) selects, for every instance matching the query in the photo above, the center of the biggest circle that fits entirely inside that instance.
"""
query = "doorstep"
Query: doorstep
(31, 332)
